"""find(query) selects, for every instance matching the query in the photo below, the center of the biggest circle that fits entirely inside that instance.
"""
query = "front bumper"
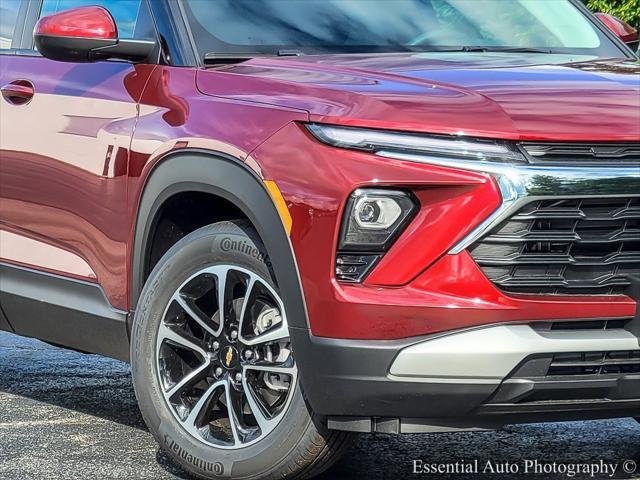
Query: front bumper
(479, 378)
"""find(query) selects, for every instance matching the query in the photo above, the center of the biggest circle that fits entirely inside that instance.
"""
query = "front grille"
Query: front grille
(564, 247)
(582, 154)
(595, 363)
(605, 324)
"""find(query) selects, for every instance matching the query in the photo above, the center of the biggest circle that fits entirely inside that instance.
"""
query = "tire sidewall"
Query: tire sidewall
(226, 243)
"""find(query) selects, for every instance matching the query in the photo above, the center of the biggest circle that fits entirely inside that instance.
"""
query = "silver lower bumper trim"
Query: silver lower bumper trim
(487, 355)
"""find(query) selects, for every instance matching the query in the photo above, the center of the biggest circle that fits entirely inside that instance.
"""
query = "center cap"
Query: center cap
(229, 357)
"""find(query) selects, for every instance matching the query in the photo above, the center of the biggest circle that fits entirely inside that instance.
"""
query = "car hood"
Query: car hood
(520, 97)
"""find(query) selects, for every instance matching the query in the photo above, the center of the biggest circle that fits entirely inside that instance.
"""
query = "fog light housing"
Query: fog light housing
(373, 219)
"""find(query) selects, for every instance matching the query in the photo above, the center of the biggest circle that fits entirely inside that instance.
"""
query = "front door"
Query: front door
(65, 134)
(64, 155)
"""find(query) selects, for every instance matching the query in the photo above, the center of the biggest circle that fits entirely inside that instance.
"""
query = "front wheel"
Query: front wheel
(213, 366)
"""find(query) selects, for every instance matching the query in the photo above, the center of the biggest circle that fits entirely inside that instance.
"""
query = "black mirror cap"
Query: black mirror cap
(86, 50)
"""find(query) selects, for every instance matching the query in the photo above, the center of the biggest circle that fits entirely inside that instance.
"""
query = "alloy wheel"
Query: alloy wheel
(224, 359)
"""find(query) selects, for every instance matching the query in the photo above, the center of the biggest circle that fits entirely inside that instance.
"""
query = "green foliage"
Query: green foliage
(627, 10)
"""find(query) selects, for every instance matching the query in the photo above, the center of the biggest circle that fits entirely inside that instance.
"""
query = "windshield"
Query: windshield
(357, 26)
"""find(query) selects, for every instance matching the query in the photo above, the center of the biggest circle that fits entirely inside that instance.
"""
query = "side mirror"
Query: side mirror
(86, 34)
(621, 29)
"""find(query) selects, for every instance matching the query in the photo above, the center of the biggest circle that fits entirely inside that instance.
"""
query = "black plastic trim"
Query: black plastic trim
(4, 323)
(347, 380)
(82, 50)
(229, 178)
(63, 311)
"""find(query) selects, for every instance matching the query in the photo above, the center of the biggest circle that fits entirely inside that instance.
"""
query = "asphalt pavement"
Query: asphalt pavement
(66, 415)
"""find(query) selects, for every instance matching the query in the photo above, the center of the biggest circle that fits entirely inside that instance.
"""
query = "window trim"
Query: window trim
(177, 38)
(28, 24)
(180, 10)
(623, 47)
(17, 40)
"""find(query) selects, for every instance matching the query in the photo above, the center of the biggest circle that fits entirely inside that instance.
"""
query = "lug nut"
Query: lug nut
(215, 345)
(248, 354)
(218, 371)
(234, 334)
(238, 377)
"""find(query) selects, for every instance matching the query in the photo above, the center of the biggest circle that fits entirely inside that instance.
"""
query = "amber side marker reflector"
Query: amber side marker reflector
(281, 205)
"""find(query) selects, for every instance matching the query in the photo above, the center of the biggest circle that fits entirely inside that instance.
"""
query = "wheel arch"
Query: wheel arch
(229, 178)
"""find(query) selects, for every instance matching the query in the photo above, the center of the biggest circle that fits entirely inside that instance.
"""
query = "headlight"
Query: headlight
(373, 219)
(387, 143)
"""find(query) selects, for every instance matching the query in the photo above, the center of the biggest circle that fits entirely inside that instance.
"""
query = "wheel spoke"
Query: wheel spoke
(245, 303)
(197, 410)
(195, 316)
(222, 285)
(189, 380)
(272, 335)
(282, 368)
(233, 419)
(166, 333)
(256, 409)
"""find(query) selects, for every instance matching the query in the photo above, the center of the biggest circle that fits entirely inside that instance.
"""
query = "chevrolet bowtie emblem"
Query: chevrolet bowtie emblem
(228, 357)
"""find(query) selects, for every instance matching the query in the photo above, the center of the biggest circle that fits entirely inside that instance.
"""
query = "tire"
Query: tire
(290, 442)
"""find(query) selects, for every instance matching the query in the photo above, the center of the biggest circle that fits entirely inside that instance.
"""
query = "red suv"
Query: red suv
(299, 220)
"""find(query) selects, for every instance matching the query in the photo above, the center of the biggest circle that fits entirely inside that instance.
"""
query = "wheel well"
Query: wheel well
(182, 214)
(223, 188)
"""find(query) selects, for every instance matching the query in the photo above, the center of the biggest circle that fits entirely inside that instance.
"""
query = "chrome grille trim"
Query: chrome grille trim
(582, 153)
(522, 184)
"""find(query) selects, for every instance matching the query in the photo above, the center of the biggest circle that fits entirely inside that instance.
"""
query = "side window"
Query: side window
(132, 16)
(8, 18)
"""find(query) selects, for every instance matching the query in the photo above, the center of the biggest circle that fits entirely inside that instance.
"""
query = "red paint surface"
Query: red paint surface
(108, 124)
(486, 95)
(86, 22)
(64, 161)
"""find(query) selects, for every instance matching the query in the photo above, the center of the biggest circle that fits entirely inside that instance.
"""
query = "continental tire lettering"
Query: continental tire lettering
(216, 468)
(228, 244)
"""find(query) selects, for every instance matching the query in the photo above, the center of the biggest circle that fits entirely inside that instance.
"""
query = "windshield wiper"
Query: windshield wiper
(228, 58)
(505, 49)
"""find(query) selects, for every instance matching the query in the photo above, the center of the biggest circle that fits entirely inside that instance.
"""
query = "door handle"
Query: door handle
(18, 92)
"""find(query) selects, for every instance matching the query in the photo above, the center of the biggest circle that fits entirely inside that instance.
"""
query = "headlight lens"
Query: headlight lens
(373, 218)
(376, 213)
(378, 141)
